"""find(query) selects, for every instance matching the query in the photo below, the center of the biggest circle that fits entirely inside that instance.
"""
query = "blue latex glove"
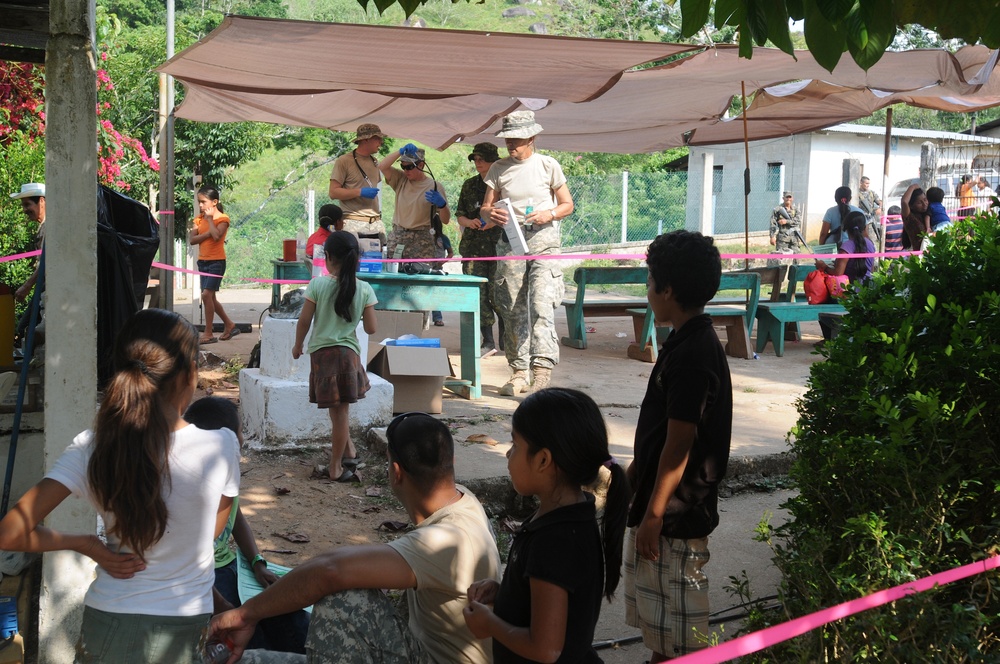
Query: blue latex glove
(369, 192)
(434, 197)
(408, 149)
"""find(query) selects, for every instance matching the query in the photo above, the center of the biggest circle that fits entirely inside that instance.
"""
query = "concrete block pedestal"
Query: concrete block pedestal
(275, 398)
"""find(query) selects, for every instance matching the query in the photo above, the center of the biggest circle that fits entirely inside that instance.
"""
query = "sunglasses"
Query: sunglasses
(408, 167)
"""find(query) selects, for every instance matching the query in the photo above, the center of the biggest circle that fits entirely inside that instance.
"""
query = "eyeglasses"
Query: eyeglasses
(390, 433)
(408, 167)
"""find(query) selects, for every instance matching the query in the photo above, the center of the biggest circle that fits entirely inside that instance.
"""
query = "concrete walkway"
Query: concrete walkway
(764, 395)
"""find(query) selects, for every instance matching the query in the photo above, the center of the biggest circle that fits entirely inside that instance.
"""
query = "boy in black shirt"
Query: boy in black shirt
(681, 452)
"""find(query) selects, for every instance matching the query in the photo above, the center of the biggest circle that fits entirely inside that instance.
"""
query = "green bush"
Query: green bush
(898, 465)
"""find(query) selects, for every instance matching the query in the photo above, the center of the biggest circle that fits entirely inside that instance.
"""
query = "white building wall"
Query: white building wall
(830, 149)
(813, 169)
(792, 153)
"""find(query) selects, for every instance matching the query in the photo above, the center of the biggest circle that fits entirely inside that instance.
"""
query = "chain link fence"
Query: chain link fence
(611, 210)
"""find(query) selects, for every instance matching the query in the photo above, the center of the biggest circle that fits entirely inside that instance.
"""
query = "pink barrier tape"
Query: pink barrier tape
(766, 638)
(17, 257)
(551, 257)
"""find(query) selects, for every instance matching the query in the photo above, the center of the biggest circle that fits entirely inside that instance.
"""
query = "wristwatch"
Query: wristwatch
(553, 213)
(257, 559)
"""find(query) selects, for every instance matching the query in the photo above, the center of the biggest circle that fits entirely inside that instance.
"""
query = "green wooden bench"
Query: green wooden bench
(779, 321)
(772, 317)
(738, 318)
(581, 307)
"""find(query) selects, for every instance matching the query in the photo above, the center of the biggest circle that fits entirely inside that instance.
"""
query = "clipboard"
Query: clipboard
(515, 236)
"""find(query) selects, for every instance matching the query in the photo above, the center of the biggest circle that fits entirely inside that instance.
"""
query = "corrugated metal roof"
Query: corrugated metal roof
(902, 132)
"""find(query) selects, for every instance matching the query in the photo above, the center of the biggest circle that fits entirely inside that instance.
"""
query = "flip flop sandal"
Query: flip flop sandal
(353, 464)
(229, 335)
(208, 341)
(348, 476)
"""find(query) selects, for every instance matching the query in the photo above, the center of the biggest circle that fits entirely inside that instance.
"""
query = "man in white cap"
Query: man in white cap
(528, 291)
(354, 182)
(32, 197)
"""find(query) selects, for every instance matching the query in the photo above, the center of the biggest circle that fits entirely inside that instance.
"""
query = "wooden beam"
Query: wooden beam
(18, 54)
(27, 19)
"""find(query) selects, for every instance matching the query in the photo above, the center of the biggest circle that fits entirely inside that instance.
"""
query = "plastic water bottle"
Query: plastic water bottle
(529, 208)
(300, 246)
(216, 652)
(318, 261)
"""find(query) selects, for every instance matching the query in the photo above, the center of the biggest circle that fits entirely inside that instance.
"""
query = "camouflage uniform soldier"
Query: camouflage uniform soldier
(417, 197)
(528, 291)
(871, 205)
(480, 241)
(786, 219)
(450, 547)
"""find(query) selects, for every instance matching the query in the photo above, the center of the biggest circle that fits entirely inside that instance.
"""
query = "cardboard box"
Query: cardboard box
(417, 376)
(392, 325)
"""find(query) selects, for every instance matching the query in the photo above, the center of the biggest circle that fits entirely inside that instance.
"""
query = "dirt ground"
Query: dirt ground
(295, 516)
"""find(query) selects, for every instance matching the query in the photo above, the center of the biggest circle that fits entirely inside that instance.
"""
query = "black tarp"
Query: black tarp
(127, 241)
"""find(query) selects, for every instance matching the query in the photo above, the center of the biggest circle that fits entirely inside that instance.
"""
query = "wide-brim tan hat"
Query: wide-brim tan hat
(30, 190)
(368, 131)
(519, 124)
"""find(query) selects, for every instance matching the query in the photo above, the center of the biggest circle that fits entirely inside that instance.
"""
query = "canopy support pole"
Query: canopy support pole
(746, 179)
(885, 174)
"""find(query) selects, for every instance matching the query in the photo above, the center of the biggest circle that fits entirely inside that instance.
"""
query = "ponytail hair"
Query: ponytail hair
(854, 228)
(329, 216)
(212, 194)
(843, 198)
(342, 249)
(569, 424)
(129, 470)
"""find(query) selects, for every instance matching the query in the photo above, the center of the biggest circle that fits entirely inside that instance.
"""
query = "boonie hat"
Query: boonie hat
(519, 124)
(368, 131)
(414, 158)
(30, 190)
(485, 151)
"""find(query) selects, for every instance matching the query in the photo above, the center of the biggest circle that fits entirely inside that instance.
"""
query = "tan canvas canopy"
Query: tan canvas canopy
(442, 86)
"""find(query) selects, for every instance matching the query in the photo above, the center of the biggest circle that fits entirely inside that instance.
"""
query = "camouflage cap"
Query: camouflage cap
(413, 158)
(519, 124)
(368, 131)
(486, 152)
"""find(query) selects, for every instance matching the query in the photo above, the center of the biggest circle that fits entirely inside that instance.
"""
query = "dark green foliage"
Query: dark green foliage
(23, 161)
(898, 462)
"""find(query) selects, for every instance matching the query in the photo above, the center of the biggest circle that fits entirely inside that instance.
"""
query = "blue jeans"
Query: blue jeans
(286, 633)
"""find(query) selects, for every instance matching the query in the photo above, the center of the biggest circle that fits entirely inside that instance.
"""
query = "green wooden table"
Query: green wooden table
(449, 292)
(287, 270)
(419, 292)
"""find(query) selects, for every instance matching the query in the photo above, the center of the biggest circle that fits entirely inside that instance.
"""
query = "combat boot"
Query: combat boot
(488, 346)
(518, 383)
(542, 378)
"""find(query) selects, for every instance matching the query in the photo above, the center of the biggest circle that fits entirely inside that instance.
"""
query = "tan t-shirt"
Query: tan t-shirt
(447, 553)
(348, 174)
(535, 179)
(412, 209)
